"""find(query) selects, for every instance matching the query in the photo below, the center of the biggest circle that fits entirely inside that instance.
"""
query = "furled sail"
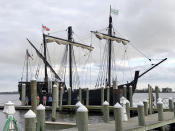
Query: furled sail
(66, 42)
(113, 38)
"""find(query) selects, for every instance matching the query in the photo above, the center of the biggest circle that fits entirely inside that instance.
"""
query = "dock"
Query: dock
(151, 122)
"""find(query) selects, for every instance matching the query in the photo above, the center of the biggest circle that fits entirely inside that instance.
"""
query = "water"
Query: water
(63, 117)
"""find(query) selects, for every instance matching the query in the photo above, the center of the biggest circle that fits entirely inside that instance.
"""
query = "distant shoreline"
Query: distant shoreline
(14, 92)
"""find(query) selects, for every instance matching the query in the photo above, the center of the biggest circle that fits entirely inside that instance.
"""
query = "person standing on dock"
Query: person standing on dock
(38, 100)
(44, 100)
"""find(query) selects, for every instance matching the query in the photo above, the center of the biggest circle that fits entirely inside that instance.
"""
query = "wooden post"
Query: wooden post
(141, 116)
(108, 93)
(61, 99)
(102, 95)
(174, 108)
(150, 99)
(124, 91)
(118, 117)
(30, 121)
(54, 101)
(170, 104)
(130, 96)
(115, 86)
(82, 118)
(41, 118)
(145, 102)
(160, 110)
(33, 86)
(106, 111)
(69, 96)
(128, 109)
(80, 95)
(157, 93)
(23, 94)
(87, 97)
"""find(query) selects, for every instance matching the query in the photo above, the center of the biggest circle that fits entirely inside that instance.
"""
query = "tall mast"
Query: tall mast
(109, 49)
(70, 56)
(27, 65)
(45, 56)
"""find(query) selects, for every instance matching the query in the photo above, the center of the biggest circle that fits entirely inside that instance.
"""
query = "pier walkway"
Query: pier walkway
(132, 124)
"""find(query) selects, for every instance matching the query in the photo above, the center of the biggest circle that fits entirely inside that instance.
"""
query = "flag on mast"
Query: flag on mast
(45, 28)
(114, 11)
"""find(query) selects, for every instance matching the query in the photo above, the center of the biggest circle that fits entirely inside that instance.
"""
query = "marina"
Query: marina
(80, 72)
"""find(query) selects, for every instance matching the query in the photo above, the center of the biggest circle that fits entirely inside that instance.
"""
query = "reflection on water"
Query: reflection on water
(64, 116)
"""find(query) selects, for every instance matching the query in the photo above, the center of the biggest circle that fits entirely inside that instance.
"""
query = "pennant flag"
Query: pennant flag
(45, 28)
(114, 11)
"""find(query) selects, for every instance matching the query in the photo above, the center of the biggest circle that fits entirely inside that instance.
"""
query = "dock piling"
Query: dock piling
(30, 121)
(157, 93)
(124, 91)
(145, 103)
(102, 95)
(128, 109)
(54, 101)
(33, 86)
(23, 94)
(174, 108)
(61, 99)
(82, 118)
(160, 110)
(118, 117)
(150, 99)
(106, 111)
(141, 116)
(41, 118)
(80, 95)
(130, 96)
(108, 94)
(69, 96)
(170, 104)
(87, 97)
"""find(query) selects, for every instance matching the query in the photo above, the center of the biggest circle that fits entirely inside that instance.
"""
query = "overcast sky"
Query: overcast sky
(148, 24)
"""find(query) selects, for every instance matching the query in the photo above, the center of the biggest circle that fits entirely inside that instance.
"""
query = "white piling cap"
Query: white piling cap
(130, 86)
(9, 103)
(105, 103)
(145, 100)
(117, 105)
(159, 102)
(78, 104)
(140, 104)
(9, 108)
(170, 98)
(33, 79)
(30, 114)
(23, 84)
(124, 86)
(159, 99)
(123, 100)
(82, 108)
(54, 85)
(40, 107)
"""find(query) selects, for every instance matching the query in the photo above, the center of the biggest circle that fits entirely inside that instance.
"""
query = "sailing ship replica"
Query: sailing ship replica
(112, 92)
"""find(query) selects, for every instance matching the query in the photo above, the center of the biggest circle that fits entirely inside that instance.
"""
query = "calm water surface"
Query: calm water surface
(63, 117)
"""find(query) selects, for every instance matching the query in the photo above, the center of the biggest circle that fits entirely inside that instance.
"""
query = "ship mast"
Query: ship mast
(109, 49)
(45, 60)
(70, 56)
(27, 65)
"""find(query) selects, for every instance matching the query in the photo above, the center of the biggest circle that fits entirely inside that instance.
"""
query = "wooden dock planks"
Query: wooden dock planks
(132, 124)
